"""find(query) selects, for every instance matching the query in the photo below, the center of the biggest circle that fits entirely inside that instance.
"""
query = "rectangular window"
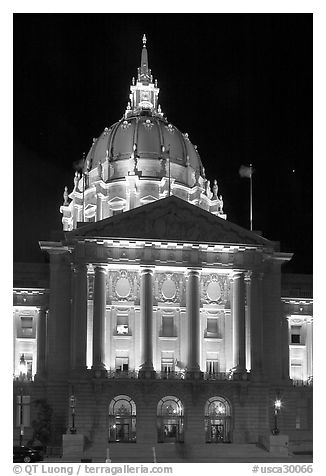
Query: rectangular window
(167, 362)
(212, 366)
(26, 328)
(295, 334)
(122, 324)
(117, 212)
(168, 326)
(212, 327)
(296, 371)
(122, 364)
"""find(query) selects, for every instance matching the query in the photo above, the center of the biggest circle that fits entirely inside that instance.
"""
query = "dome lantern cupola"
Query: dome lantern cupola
(144, 94)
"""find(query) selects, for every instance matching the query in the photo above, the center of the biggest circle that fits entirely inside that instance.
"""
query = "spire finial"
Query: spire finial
(144, 40)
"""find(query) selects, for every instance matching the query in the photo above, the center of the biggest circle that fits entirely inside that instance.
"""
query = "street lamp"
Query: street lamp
(21, 378)
(73, 429)
(277, 408)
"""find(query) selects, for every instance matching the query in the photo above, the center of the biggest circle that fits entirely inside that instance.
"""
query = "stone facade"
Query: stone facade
(165, 322)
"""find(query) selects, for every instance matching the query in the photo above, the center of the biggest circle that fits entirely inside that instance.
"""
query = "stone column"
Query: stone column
(99, 320)
(309, 346)
(79, 318)
(238, 318)
(248, 323)
(146, 321)
(193, 315)
(41, 343)
(256, 326)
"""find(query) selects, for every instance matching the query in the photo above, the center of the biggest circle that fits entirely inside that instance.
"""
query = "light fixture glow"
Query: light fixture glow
(277, 404)
(22, 365)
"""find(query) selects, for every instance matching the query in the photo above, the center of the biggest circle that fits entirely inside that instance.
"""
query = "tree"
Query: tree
(42, 423)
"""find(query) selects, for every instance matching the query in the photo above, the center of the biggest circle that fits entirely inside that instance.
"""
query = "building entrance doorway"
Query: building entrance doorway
(217, 420)
(217, 433)
(122, 420)
(122, 431)
(170, 432)
(169, 420)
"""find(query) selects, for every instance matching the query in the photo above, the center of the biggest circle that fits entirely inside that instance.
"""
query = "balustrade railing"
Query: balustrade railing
(302, 383)
(122, 374)
(217, 375)
(172, 375)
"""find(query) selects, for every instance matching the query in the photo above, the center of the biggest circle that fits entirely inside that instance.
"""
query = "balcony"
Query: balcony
(172, 375)
(122, 374)
(181, 375)
(217, 376)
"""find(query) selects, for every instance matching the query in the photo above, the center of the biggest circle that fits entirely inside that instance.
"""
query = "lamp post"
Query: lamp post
(73, 429)
(22, 376)
(277, 408)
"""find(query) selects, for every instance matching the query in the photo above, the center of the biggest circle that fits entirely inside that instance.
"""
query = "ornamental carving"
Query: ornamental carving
(167, 287)
(214, 289)
(148, 124)
(122, 286)
(170, 128)
(90, 286)
(125, 125)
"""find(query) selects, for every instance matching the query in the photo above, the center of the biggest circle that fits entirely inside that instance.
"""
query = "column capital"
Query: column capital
(193, 272)
(101, 268)
(147, 270)
(249, 275)
(237, 274)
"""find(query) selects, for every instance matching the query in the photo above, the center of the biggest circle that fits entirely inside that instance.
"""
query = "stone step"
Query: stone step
(120, 453)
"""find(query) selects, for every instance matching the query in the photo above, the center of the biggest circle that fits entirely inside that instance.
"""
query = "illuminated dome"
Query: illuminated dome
(139, 159)
(147, 136)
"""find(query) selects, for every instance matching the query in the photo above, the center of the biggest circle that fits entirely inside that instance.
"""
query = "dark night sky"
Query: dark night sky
(239, 84)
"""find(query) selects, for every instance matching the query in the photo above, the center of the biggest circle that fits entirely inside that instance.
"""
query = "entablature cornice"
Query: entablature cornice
(291, 300)
(208, 255)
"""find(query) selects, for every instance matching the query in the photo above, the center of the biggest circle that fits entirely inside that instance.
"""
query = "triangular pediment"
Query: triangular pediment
(171, 219)
(148, 198)
(116, 200)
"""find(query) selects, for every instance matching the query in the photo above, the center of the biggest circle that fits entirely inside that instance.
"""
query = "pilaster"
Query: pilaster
(41, 343)
(238, 320)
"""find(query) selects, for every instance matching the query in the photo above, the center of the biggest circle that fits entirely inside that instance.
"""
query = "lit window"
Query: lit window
(26, 327)
(122, 364)
(122, 324)
(167, 362)
(212, 366)
(295, 334)
(296, 371)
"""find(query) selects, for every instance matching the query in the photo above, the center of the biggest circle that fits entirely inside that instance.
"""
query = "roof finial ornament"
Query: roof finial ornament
(215, 190)
(65, 197)
(144, 40)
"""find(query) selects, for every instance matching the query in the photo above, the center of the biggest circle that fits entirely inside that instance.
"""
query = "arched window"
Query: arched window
(170, 412)
(122, 420)
(217, 420)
